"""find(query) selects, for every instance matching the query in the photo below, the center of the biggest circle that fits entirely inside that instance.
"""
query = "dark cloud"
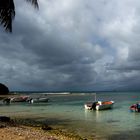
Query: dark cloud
(72, 45)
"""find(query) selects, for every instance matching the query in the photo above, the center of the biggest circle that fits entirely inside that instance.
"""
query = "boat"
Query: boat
(104, 105)
(19, 99)
(38, 100)
(99, 105)
(135, 107)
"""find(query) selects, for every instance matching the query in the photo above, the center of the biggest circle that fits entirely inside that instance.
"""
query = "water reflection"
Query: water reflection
(97, 116)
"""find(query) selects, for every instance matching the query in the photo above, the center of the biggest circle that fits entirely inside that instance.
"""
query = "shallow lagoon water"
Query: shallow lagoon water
(67, 112)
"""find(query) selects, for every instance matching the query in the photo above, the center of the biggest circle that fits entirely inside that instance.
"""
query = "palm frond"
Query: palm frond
(7, 14)
(34, 3)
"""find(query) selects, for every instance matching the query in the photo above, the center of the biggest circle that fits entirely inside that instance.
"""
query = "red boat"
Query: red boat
(135, 107)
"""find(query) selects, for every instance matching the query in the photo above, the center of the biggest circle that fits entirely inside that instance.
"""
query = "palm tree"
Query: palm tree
(7, 12)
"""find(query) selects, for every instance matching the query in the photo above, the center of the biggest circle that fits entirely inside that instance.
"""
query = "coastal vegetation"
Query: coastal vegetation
(7, 12)
(3, 89)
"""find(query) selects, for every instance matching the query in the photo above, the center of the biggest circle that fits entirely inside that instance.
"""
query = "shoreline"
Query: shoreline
(27, 129)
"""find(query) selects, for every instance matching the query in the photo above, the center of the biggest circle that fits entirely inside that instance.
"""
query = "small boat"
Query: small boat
(19, 99)
(38, 100)
(135, 107)
(104, 105)
(99, 105)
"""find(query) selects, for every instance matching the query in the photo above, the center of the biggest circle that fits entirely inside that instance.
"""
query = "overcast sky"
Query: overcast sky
(72, 45)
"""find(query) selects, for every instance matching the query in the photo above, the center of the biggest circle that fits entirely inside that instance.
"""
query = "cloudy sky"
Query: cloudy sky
(72, 45)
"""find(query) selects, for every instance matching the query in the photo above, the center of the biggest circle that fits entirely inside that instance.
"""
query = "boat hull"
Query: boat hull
(19, 99)
(135, 108)
(99, 105)
(104, 106)
(39, 100)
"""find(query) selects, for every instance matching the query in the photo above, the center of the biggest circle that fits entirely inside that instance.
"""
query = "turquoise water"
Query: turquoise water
(67, 112)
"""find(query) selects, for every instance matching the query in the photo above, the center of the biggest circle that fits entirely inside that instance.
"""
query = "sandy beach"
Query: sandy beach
(24, 133)
(15, 131)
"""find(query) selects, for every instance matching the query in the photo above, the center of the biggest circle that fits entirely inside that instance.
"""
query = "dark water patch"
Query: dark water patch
(57, 121)
(74, 104)
(127, 135)
(113, 121)
(41, 120)
(138, 125)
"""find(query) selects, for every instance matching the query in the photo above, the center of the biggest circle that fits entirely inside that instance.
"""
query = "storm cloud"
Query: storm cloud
(72, 45)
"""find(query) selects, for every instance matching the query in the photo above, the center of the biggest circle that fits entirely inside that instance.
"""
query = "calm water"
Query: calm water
(67, 112)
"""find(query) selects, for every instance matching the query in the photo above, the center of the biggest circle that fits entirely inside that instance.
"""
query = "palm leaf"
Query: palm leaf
(34, 3)
(7, 12)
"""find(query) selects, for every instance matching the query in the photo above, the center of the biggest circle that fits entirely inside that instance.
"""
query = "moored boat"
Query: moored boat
(19, 99)
(104, 105)
(99, 105)
(38, 100)
(135, 107)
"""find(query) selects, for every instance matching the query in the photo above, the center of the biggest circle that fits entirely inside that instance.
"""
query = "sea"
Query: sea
(66, 111)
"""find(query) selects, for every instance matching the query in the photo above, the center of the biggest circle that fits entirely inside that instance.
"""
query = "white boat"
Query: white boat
(104, 105)
(99, 105)
(38, 100)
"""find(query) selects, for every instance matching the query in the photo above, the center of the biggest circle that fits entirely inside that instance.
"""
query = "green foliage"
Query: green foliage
(7, 12)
